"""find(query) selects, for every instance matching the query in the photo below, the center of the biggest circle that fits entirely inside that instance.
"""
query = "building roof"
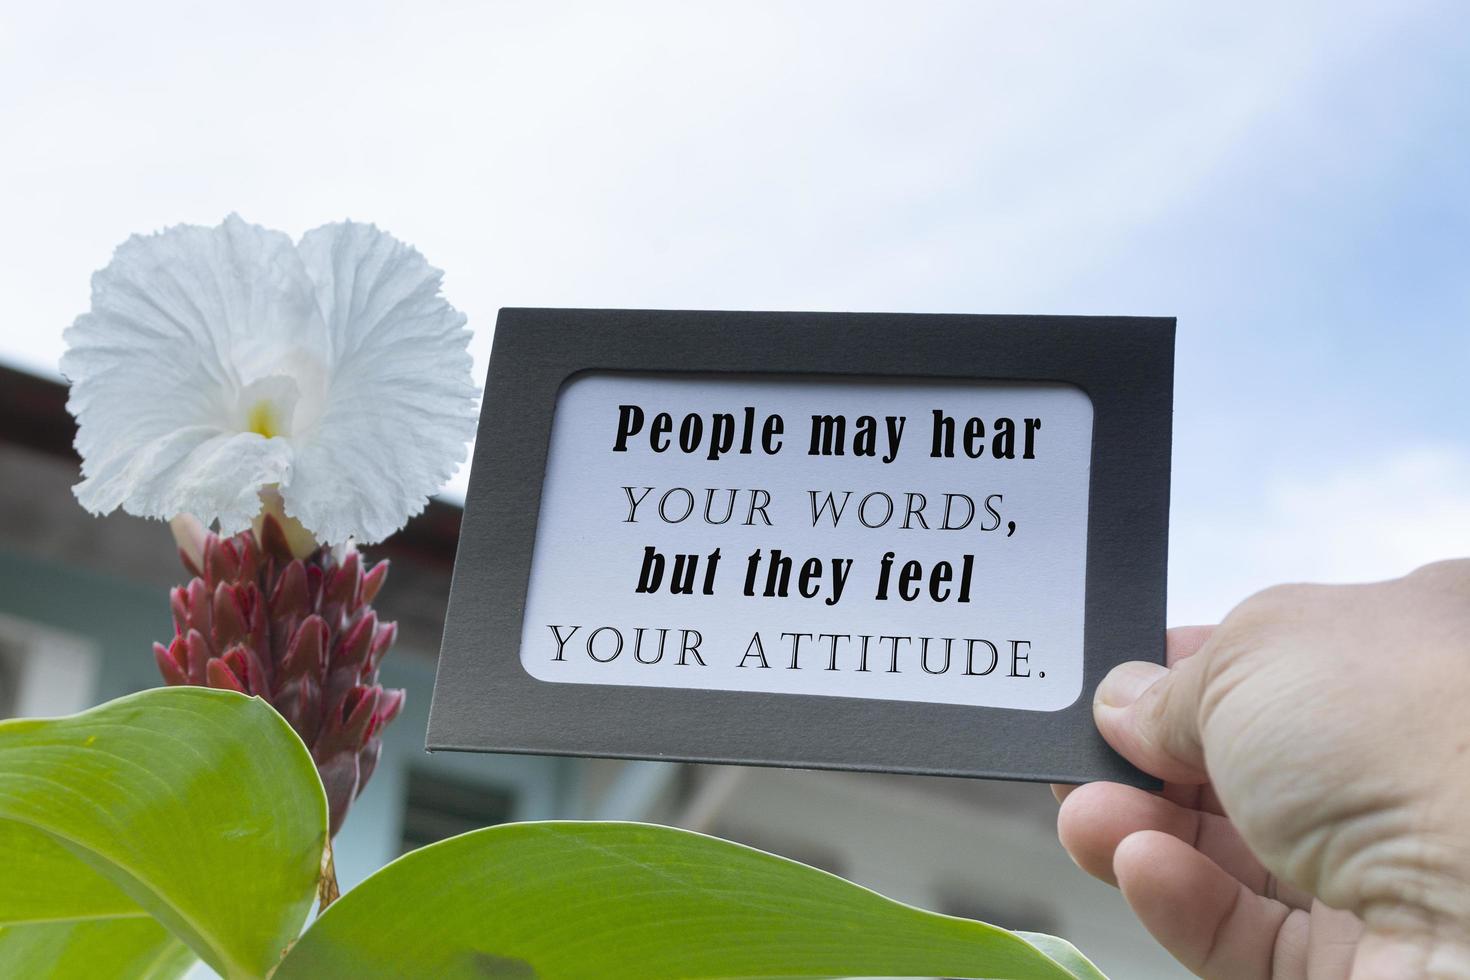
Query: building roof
(38, 466)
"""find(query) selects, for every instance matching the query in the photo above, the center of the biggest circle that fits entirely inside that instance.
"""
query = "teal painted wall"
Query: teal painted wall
(122, 619)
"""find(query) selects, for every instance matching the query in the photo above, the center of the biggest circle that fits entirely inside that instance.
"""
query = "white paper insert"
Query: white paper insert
(999, 624)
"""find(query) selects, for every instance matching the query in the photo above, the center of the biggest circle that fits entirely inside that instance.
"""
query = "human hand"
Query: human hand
(1315, 821)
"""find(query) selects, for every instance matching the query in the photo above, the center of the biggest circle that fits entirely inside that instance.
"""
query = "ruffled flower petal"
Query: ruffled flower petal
(400, 403)
(218, 362)
(181, 322)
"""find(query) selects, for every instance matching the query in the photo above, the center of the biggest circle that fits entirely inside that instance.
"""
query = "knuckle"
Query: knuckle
(1273, 603)
(1271, 612)
(1248, 625)
(1452, 575)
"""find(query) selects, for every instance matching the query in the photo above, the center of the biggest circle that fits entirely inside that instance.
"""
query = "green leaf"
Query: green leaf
(615, 900)
(44, 881)
(104, 949)
(200, 808)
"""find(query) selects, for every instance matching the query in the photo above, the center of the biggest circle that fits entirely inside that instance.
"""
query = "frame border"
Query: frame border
(485, 701)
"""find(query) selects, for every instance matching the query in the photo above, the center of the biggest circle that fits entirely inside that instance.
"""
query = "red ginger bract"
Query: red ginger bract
(299, 633)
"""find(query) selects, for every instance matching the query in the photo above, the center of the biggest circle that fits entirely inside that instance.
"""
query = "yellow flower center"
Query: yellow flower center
(262, 418)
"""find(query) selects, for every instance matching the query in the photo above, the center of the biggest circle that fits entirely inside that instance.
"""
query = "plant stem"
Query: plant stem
(327, 891)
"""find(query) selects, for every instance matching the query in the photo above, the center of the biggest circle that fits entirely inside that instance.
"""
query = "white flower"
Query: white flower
(217, 362)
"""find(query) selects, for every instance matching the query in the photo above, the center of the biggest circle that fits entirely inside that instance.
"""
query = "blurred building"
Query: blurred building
(82, 599)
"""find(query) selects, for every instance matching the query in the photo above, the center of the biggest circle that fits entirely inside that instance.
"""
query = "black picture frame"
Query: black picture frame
(484, 700)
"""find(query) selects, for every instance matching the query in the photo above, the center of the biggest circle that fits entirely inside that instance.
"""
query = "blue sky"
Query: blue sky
(1291, 180)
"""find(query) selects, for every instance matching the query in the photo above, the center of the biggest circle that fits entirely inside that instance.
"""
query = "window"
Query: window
(437, 806)
(43, 671)
(10, 666)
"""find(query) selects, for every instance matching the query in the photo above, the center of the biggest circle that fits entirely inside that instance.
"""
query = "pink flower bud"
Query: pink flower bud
(298, 632)
(373, 580)
(172, 662)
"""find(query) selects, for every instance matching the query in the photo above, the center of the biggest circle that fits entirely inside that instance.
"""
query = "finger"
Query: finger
(1184, 641)
(1100, 816)
(1167, 745)
(1150, 715)
(1179, 643)
(1192, 797)
(1206, 919)
(1332, 944)
(1196, 797)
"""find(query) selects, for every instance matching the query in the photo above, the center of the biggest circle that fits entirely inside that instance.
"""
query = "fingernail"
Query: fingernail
(1126, 682)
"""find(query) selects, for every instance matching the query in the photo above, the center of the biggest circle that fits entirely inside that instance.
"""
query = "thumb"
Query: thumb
(1150, 714)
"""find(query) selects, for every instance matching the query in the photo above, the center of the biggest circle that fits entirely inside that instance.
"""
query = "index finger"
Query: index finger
(1184, 641)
